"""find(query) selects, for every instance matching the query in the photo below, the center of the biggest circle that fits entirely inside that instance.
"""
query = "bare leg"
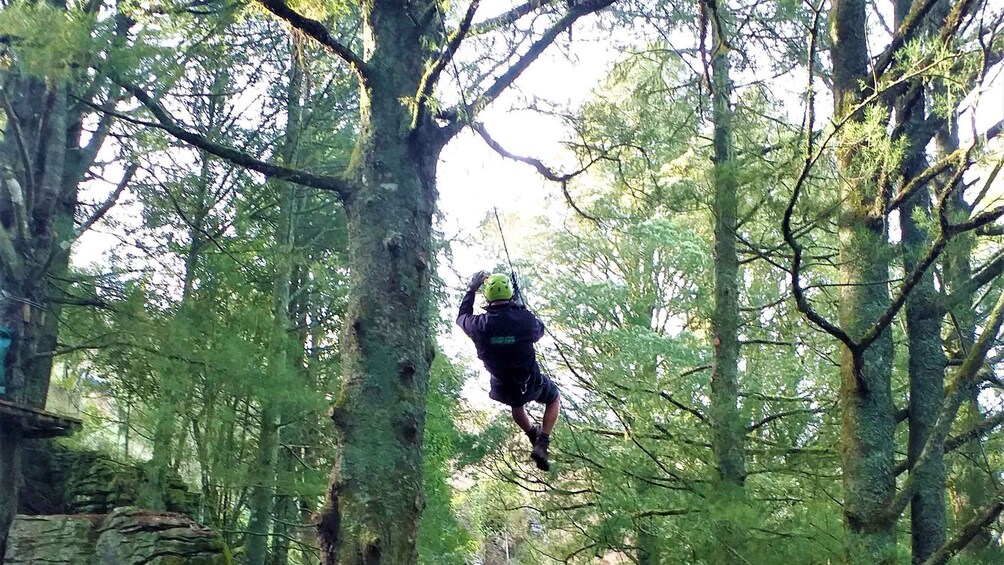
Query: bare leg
(550, 416)
(522, 420)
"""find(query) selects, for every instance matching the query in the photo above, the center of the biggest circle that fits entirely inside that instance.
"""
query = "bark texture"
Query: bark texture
(726, 418)
(923, 325)
(728, 428)
(867, 421)
(380, 412)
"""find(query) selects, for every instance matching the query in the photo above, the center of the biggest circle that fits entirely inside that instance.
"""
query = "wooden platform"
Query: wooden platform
(35, 423)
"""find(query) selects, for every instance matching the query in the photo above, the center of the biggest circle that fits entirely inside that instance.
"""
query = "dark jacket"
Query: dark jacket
(504, 336)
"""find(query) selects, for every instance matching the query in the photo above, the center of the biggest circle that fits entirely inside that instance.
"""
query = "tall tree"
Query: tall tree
(876, 179)
(50, 143)
(728, 426)
(389, 194)
(281, 357)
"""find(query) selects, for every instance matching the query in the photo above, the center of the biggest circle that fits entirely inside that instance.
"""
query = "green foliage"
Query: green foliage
(441, 539)
(48, 41)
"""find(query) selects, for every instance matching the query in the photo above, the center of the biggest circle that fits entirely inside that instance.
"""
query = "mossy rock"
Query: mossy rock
(53, 540)
(127, 536)
(76, 481)
(130, 536)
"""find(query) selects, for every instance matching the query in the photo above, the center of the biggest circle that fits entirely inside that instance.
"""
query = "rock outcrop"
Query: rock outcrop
(60, 480)
(127, 536)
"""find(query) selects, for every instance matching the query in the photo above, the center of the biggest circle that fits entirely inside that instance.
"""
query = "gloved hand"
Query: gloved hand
(517, 296)
(477, 280)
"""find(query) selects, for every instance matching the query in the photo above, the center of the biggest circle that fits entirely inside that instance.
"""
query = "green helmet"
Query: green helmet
(497, 287)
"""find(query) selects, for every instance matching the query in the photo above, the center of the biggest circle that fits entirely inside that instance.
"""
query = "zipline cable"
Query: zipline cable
(557, 343)
(505, 247)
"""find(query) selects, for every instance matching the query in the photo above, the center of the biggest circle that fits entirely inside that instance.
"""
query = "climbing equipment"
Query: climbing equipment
(497, 287)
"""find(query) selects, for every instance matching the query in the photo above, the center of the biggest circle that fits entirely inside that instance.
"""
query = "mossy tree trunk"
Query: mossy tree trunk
(925, 311)
(924, 315)
(389, 196)
(728, 428)
(867, 418)
(43, 164)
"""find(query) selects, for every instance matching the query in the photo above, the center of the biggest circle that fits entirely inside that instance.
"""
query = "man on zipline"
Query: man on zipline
(504, 336)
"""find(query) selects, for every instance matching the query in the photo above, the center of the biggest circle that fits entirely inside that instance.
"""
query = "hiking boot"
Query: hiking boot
(539, 453)
(533, 433)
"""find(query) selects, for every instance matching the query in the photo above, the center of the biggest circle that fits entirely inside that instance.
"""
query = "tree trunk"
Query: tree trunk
(867, 421)
(262, 497)
(375, 495)
(923, 326)
(36, 228)
(926, 370)
(726, 419)
(973, 484)
(380, 413)
(728, 429)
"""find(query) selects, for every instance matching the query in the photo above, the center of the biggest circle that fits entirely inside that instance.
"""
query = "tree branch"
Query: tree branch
(693, 411)
(954, 395)
(969, 531)
(108, 203)
(510, 17)
(459, 117)
(987, 274)
(167, 123)
(428, 83)
(22, 147)
(318, 32)
(801, 300)
(921, 180)
(955, 442)
(904, 33)
(780, 415)
(541, 168)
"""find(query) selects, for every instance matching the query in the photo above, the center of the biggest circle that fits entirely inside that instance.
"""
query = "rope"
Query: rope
(504, 246)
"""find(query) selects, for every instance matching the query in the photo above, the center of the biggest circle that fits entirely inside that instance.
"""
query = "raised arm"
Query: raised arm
(465, 317)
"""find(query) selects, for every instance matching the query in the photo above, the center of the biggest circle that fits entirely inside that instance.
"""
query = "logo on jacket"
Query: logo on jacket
(502, 340)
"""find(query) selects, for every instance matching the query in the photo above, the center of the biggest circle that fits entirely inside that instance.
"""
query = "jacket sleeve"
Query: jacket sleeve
(466, 318)
(538, 328)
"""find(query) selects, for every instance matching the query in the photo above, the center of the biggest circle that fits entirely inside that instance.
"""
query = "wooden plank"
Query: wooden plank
(36, 423)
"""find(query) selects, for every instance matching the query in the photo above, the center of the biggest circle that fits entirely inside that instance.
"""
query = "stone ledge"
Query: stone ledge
(127, 536)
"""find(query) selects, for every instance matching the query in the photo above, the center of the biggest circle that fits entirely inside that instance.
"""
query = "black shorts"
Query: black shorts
(537, 388)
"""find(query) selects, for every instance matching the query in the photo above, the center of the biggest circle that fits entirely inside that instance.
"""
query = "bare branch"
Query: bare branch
(543, 169)
(108, 203)
(318, 32)
(801, 300)
(510, 17)
(459, 117)
(167, 123)
(428, 83)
